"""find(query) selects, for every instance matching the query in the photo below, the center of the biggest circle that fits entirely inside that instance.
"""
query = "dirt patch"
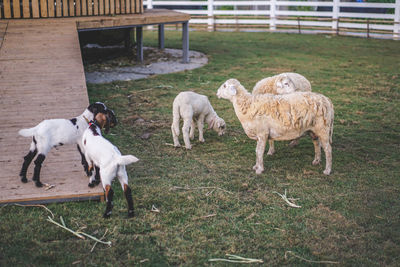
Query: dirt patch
(108, 64)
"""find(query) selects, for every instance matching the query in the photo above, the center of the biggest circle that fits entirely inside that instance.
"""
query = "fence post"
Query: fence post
(396, 22)
(210, 15)
(149, 4)
(335, 16)
(272, 15)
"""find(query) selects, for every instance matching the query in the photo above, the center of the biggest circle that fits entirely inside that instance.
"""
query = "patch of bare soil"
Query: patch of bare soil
(108, 64)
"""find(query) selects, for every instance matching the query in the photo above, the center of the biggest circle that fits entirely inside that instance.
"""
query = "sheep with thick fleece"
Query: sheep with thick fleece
(284, 83)
(194, 107)
(56, 132)
(282, 117)
(102, 153)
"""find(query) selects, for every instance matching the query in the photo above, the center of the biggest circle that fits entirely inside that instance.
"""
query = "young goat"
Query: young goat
(102, 153)
(53, 133)
(194, 107)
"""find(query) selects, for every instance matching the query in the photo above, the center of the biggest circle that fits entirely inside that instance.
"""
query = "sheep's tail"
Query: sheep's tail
(126, 160)
(175, 119)
(27, 132)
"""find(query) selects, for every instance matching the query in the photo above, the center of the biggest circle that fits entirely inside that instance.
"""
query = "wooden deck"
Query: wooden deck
(42, 77)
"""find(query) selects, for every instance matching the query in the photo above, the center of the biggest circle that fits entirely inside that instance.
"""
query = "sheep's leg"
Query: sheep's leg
(192, 128)
(200, 126)
(83, 160)
(317, 149)
(38, 166)
(271, 149)
(27, 161)
(259, 167)
(185, 133)
(109, 199)
(328, 154)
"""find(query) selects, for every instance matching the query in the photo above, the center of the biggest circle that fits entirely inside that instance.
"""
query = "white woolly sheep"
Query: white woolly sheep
(102, 153)
(282, 117)
(56, 132)
(194, 107)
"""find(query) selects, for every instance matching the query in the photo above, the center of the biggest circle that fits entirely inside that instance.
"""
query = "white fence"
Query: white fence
(335, 16)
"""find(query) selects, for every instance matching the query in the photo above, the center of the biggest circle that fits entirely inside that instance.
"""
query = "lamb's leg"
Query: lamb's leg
(259, 167)
(200, 126)
(83, 160)
(38, 166)
(27, 160)
(328, 154)
(271, 149)
(185, 132)
(192, 128)
(109, 199)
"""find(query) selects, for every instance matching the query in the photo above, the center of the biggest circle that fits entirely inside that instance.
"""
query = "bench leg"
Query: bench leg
(185, 42)
(139, 44)
(161, 36)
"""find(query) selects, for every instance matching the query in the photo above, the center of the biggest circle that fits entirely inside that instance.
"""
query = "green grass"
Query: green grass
(351, 216)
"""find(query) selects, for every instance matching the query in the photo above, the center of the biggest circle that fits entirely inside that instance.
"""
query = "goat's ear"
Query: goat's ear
(107, 126)
(232, 90)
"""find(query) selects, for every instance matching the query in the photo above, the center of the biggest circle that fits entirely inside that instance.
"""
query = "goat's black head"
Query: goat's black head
(96, 108)
(106, 119)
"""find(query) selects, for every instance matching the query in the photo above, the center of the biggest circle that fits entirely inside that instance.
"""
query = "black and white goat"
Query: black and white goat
(102, 153)
(57, 132)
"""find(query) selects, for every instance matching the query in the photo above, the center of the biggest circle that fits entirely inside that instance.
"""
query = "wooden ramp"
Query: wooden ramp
(41, 77)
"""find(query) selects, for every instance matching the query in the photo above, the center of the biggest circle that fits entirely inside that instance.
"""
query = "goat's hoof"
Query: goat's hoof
(38, 184)
(91, 185)
(96, 182)
(107, 215)
(131, 213)
(24, 180)
(327, 172)
(316, 161)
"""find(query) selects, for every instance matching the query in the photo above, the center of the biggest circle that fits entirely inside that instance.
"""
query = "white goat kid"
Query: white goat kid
(56, 132)
(282, 117)
(194, 107)
(102, 153)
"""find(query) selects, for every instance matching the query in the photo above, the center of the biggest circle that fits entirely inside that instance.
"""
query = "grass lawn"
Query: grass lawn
(351, 217)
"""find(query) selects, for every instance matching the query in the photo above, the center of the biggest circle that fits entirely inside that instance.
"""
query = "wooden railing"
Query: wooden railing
(15, 9)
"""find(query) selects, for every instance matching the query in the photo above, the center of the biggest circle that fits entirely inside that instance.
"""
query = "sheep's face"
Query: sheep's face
(284, 85)
(228, 89)
(219, 126)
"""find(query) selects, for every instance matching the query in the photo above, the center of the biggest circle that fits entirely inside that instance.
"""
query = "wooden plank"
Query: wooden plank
(65, 8)
(43, 9)
(25, 9)
(112, 7)
(90, 7)
(78, 7)
(101, 7)
(106, 7)
(84, 8)
(123, 7)
(71, 8)
(16, 9)
(117, 7)
(7, 9)
(51, 8)
(95, 7)
(59, 8)
(128, 6)
(35, 9)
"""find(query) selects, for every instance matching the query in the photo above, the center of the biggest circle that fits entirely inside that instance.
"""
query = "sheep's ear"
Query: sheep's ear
(232, 90)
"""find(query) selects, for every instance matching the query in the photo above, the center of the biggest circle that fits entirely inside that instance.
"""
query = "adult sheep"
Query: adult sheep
(282, 117)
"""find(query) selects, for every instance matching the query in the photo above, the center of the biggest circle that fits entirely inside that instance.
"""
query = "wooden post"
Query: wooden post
(139, 43)
(210, 15)
(396, 22)
(335, 16)
(185, 42)
(367, 28)
(272, 15)
(161, 36)
(298, 24)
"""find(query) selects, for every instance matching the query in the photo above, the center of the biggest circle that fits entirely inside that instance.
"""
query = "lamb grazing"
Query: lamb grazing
(284, 83)
(56, 132)
(194, 107)
(282, 117)
(102, 153)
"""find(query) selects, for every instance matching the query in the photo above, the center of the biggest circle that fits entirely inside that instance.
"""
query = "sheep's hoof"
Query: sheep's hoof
(255, 167)
(271, 152)
(202, 140)
(259, 171)
(293, 143)
(177, 145)
(316, 161)
(24, 180)
(38, 184)
(188, 147)
(327, 172)
(131, 213)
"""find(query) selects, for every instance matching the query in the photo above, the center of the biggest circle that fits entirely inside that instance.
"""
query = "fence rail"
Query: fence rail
(333, 16)
(15, 9)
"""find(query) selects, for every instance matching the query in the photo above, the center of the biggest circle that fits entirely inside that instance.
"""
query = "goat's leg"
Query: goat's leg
(83, 160)
(192, 128)
(200, 126)
(109, 198)
(129, 200)
(94, 177)
(27, 160)
(259, 167)
(271, 149)
(185, 133)
(38, 166)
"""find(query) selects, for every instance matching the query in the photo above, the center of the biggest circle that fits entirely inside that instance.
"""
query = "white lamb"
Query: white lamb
(102, 153)
(194, 107)
(56, 132)
(282, 117)
(284, 83)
